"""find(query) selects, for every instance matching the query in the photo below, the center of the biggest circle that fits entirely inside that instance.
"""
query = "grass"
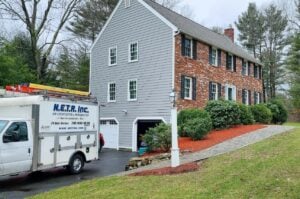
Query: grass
(269, 169)
(295, 124)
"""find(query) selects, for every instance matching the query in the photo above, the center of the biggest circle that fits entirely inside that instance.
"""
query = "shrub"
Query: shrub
(279, 112)
(186, 115)
(158, 138)
(198, 128)
(261, 113)
(246, 116)
(223, 113)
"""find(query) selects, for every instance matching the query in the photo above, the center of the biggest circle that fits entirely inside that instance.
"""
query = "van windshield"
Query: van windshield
(2, 125)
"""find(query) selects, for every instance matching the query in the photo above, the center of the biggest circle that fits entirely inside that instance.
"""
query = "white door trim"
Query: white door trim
(134, 129)
(118, 128)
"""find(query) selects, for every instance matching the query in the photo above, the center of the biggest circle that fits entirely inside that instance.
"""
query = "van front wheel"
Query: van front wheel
(76, 164)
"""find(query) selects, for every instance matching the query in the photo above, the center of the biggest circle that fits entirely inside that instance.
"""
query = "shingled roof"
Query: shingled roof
(200, 32)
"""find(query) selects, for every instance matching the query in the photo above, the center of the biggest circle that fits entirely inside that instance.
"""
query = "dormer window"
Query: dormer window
(127, 3)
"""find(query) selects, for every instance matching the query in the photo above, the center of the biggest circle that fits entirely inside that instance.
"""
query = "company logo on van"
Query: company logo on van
(70, 108)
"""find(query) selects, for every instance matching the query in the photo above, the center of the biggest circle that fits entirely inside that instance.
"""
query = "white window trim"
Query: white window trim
(258, 98)
(233, 91)
(127, 3)
(128, 90)
(247, 68)
(257, 72)
(217, 91)
(109, 56)
(129, 52)
(247, 97)
(232, 64)
(191, 89)
(192, 46)
(108, 92)
(216, 59)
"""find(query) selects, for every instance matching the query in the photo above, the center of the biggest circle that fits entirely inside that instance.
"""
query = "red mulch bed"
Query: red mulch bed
(187, 144)
(169, 170)
(216, 137)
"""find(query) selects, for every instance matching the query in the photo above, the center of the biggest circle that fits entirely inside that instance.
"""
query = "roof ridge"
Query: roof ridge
(188, 18)
(221, 36)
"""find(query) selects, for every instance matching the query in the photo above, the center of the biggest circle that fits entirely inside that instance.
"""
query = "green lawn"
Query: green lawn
(292, 124)
(269, 169)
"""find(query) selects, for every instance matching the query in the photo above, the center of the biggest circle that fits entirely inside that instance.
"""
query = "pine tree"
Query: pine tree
(274, 42)
(251, 25)
(91, 17)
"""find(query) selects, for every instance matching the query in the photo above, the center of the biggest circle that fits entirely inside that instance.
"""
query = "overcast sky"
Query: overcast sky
(220, 12)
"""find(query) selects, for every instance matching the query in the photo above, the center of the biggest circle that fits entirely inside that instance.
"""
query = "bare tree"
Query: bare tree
(171, 4)
(43, 21)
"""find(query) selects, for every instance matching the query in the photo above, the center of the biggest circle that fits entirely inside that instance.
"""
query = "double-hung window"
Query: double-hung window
(188, 88)
(214, 56)
(132, 90)
(245, 68)
(188, 46)
(245, 97)
(214, 91)
(112, 56)
(230, 62)
(257, 97)
(133, 52)
(111, 92)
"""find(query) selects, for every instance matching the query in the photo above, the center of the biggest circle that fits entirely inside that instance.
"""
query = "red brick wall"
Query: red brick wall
(204, 72)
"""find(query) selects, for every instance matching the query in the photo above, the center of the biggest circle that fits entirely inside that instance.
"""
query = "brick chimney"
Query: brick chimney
(229, 32)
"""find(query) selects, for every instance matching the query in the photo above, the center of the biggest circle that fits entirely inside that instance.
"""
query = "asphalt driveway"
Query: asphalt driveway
(110, 162)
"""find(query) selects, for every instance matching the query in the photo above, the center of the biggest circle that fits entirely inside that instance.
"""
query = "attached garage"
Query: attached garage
(110, 130)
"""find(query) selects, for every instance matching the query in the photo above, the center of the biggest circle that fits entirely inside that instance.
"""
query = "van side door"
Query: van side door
(16, 148)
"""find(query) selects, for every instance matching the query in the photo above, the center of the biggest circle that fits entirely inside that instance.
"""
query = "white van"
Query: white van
(41, 132)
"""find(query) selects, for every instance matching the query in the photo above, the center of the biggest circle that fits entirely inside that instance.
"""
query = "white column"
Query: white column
(175, 150)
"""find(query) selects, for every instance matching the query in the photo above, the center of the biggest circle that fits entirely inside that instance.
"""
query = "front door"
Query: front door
(16, 148)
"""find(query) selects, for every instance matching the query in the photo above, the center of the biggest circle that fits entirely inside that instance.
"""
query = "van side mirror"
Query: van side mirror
(13, 137)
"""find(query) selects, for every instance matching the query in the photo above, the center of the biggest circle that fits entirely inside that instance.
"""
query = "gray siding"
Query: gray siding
(153, 71)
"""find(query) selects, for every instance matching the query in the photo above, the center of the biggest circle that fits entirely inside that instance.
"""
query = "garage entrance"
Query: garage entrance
(142, 127)
(110, 130)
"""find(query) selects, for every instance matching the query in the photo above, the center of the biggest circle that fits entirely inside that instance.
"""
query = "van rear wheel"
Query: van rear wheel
(76, 164)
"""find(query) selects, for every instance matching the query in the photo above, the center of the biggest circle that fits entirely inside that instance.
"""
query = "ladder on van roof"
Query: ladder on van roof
(50, 91)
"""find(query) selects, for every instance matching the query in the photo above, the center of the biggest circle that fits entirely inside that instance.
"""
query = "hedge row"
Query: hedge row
(197, 123)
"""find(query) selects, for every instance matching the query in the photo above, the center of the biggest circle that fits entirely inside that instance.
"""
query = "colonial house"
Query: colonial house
(145, 51)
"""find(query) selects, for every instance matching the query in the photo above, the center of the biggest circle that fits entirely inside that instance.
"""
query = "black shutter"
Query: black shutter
(243, 96)
(183, 45)
(260, 72)
(234, 63)
(219, 91)
(210, 55)
(250, 101)
(210, 91)
(182, 86)
(194, 49)
(194, 88)
(219, 57)
(260, 98)
(227, 61)
(255, 96)
(249, 68)
(243, 67)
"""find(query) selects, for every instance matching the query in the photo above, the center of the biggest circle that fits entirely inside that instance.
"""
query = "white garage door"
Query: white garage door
(110, 131)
